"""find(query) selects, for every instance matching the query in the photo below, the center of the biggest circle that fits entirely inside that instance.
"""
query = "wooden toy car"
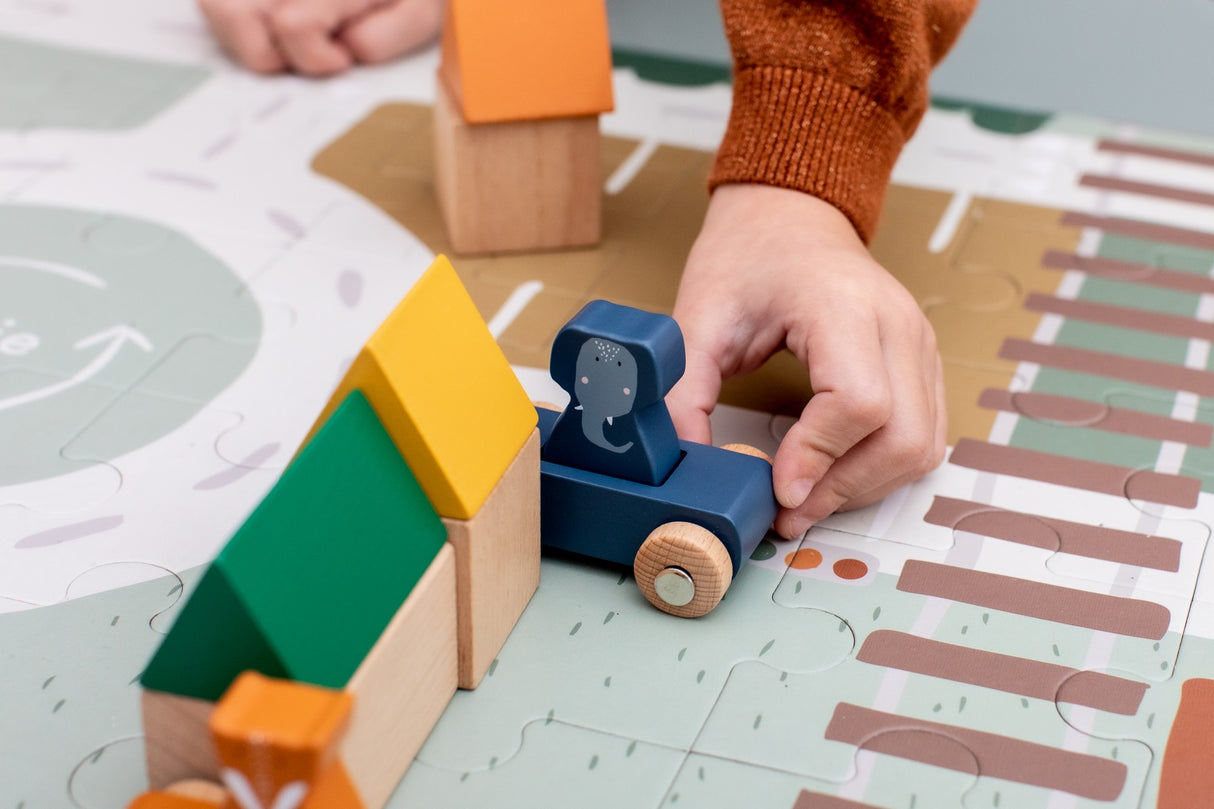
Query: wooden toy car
(616, 483)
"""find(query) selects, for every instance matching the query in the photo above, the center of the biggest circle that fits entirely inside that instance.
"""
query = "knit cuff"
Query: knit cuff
(800, 130)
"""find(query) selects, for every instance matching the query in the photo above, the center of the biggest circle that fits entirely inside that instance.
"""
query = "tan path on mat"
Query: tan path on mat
(972, 289)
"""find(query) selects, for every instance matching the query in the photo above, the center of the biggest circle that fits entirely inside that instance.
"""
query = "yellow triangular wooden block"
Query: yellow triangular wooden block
(444, 391)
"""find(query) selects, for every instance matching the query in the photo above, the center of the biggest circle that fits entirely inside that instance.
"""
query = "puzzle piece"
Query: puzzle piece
(71, 714)
(70, 88)
(1007, 747)
(979, 583)
(45, 549)
(592, 619)
(344, 295)
(603, 769)
(91, 312)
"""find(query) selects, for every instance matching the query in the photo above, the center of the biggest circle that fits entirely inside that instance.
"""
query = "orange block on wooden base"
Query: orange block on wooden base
(518, 185)
(528, 59)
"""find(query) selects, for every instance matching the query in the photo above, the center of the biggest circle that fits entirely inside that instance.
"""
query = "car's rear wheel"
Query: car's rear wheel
(683, 569)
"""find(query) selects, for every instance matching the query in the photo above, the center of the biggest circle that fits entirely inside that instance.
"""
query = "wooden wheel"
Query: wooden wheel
(747, 449)
(683, 569)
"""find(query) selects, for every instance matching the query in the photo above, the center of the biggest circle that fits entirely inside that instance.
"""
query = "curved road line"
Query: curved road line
(71, 273)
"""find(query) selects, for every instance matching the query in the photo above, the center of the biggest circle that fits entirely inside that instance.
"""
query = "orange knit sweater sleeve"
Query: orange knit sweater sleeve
(826, 92)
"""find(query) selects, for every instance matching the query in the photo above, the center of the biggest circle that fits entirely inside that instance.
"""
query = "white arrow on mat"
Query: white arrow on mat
(113, 338)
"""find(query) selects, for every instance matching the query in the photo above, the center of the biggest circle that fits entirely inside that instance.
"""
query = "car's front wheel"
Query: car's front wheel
(683, 569)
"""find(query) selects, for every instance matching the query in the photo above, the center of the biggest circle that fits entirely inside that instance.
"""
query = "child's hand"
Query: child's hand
(320, 37)
(773, 267)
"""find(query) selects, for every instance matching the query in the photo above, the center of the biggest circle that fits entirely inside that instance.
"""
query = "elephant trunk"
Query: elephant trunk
(592, 428)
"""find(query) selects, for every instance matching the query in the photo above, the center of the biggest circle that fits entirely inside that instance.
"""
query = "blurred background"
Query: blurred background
(1137, 61)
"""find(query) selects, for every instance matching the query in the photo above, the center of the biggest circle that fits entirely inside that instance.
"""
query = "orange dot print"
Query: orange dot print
(804, 559)
(850, 569)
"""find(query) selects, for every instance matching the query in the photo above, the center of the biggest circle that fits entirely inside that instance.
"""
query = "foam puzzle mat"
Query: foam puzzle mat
(190, 256)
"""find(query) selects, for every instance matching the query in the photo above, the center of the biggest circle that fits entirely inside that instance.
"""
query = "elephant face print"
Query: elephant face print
(605, 388)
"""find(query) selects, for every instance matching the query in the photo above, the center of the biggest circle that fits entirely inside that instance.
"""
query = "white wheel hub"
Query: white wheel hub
(675, 586)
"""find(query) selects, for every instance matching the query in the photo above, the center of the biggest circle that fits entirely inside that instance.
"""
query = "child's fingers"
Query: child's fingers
(907, 445)
(692, 400)
(852, 399)
(387, 31)
(305, 29)
(244, 31)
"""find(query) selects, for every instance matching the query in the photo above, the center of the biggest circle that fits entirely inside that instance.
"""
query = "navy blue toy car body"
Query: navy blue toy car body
(616, 482)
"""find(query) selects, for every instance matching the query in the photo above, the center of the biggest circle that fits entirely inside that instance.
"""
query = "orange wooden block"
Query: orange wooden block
(519, 185)
(277, 733)
(528, 59)
(1186, 779)
(334, 789)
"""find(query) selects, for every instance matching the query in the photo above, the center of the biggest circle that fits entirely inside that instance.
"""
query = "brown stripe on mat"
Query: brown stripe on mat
(1164, 375)
(1138, 229)
(817, 800)
(998, 756)
(1073, 412)
(1075, 538)
(1092, 476)
(1169, 192)
(1129, 272)
(1122, 316)
(1164, 153)
(1049, 602)
(1015, 675)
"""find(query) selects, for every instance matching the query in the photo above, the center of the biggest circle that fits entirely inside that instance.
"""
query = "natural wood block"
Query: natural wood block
(497, 561)
(519, 185)
(404, 685)
(541, 59)
(176, 739)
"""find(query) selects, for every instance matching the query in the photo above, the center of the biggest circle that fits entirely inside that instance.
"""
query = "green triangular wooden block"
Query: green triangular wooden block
(312, 578)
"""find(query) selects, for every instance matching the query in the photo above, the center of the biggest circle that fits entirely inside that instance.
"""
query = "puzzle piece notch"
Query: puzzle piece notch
(617, 364)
